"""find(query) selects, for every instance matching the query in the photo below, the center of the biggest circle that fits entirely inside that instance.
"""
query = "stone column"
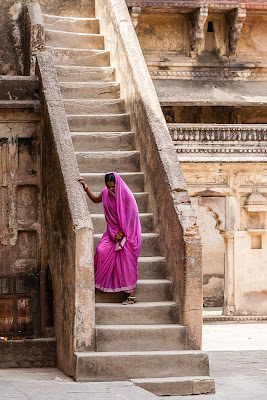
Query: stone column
(229, 276)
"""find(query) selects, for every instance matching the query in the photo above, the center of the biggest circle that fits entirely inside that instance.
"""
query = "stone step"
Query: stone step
(85, 74)
(100, 225)
(106, 366)
(146, 290)
(90, 90)
(177, 386)
(74, 40)
(141, 313)
(126, 161)
(102, 106)
(152, 267)
(149, 246)
(80, 57)
(99, 123)
(96, 181)
(71, 24)
(141, 200)
(140, 337)
(97, 141)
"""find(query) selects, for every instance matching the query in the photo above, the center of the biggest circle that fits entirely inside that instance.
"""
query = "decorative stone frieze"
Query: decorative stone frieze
(185, 4)
(236, 20)
(135, 14)
(198, 19)
(221, 74)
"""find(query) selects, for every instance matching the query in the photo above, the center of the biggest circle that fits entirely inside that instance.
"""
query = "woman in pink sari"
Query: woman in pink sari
(117, 252)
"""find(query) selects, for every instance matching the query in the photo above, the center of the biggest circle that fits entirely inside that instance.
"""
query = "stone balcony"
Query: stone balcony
(220, 143)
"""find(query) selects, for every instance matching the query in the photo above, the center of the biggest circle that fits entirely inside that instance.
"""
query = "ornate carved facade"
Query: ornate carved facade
(208, 63)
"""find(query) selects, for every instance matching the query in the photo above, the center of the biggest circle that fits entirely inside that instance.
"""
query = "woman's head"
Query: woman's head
(110, 181)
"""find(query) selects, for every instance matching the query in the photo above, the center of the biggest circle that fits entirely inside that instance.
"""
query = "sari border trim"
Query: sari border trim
(126, 289)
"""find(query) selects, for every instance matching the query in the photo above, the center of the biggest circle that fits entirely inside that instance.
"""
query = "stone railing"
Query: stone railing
(67, 229)
(174, 218)
(217, 133)
(34, 36)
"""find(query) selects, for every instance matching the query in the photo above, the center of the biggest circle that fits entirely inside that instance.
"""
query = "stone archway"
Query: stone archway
(213, 250)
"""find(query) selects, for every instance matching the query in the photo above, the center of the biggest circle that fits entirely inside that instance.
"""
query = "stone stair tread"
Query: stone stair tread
(139, 304)
(143, 235)
(77, 133)
(109, 153)
(177, 385)
(93, 101)
(98, 116)
(171, 378)
(136, 327)
(81, 34)
(101, 215)
(152, 281)
(59, 17)
(80, 68)
(74, 49)
(81, 84)
(137, 353)
(149, 258)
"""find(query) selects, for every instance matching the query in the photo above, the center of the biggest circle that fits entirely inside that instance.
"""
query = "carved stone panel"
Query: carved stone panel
(19, 195)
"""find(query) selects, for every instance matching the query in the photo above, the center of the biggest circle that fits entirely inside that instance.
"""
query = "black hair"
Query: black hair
(110, 178)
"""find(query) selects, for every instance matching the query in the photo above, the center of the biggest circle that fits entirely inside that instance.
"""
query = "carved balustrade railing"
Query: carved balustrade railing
(218, 133)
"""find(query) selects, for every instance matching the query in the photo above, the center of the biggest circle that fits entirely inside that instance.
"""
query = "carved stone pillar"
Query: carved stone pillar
(229, 275)
(198, 19)
(236, 20)
(135, 13)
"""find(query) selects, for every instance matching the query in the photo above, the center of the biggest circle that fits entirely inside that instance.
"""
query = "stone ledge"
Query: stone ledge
(217, 319)
(28, 353)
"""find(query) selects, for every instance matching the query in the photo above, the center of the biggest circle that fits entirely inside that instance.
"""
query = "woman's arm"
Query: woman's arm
(90, 194)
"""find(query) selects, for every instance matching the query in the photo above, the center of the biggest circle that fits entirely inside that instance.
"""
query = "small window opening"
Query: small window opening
(256, 241)
(210, 27)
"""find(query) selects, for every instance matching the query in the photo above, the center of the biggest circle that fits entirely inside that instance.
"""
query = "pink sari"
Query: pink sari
(116, 263)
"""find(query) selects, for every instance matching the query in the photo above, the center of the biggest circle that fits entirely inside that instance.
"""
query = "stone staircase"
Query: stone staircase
(142, 342)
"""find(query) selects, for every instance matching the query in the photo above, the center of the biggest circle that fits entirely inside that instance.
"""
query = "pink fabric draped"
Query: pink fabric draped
(116, 266)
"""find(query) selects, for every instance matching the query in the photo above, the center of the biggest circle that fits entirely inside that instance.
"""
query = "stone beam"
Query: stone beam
(198, 19)
(236, 20)
(135, 14)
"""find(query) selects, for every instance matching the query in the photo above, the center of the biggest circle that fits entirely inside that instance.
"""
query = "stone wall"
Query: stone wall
(28, 353)
(239, 245)
(12, 27)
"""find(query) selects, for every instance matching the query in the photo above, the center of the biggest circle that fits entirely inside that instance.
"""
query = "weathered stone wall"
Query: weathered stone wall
(12, 27)
(241, 234)
(20, 215)
(28, 353)
(216, 114)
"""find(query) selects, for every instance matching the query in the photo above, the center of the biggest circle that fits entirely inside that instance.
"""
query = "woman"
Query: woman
(117, 252)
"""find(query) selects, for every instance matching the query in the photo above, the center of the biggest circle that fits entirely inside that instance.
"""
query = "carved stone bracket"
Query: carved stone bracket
(135, 13)
(236, 20)
(198, 19)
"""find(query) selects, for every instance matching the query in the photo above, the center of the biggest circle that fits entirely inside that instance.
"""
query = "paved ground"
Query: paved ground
(238, 360)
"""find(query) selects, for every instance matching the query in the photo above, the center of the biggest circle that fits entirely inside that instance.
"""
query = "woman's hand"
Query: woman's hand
(81, 180)
(119, 236)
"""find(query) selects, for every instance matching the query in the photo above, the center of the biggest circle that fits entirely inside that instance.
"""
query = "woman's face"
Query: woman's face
(111, 186)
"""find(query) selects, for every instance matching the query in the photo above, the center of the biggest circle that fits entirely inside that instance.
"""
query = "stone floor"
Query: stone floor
(238, 360)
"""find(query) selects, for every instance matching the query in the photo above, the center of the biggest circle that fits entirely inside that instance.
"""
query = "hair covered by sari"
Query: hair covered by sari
(116, 263)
